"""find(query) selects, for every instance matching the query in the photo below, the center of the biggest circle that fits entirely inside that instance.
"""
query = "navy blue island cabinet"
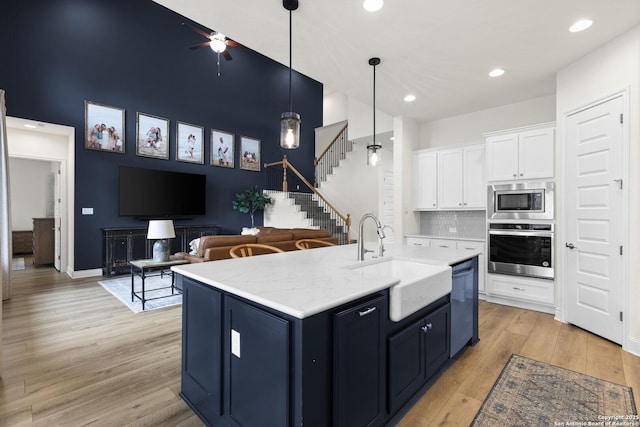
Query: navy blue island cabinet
(245, 364)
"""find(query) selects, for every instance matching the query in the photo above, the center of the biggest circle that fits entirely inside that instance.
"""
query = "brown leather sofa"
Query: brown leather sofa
(212, 248)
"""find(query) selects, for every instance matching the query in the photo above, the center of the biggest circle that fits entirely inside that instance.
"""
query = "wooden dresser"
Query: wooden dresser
(22, 242)
(43, 241)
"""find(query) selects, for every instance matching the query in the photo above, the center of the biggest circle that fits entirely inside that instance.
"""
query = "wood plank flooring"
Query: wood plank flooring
(74, 355)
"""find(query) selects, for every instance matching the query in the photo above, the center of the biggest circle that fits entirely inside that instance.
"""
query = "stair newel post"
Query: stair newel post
(348, 223)
(285, 187)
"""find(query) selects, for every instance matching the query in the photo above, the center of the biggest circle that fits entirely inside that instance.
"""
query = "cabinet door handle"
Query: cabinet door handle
(519, 289)
(367, 311)
(427, 327)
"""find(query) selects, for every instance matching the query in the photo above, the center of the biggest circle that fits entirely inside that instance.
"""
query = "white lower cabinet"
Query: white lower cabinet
(418, 241)
(540, 292)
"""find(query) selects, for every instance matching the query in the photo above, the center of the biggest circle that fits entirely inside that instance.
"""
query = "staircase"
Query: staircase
(316, 209)
(320, 216)
(332, 155)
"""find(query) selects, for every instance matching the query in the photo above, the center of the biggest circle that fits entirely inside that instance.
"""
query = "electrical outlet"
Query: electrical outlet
(452, 229)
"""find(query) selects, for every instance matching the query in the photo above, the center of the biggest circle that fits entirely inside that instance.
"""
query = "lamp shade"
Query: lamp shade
(161, 229)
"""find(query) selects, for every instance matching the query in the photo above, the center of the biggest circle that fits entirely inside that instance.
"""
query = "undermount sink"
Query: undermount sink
(418, 284)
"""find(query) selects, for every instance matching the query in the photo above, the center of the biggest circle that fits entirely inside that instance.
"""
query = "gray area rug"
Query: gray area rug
(533, 393)
(121, 289)
(17, 264)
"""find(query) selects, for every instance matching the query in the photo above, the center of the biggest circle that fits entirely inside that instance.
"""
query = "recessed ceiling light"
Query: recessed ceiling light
(580, 25)
(372, 5)
(496, 72)
(30, 126)
(409, 98)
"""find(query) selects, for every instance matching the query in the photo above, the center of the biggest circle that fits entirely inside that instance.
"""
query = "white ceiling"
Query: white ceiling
(439, 50)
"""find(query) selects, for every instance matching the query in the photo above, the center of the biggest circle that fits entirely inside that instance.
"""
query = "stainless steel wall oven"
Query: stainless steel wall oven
(522, 249)
(521, 200)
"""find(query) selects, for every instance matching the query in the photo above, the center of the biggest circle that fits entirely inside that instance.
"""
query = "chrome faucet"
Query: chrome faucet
(381, 235)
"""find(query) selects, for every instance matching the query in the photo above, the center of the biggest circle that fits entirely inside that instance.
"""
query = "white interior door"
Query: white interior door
(594, 219)
(57, 200)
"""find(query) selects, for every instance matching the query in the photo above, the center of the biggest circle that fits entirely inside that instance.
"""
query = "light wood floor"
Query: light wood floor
(74, 355)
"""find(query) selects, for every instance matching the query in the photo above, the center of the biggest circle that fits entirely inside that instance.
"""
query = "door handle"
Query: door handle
(570, 245)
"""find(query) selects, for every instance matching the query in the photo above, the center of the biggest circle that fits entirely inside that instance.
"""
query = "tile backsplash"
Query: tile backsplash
(462, 224)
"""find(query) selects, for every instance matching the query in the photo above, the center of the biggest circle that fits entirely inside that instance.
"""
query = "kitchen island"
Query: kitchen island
(317, 338)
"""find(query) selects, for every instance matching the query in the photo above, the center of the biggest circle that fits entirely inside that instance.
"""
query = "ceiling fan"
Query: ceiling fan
(218, 42)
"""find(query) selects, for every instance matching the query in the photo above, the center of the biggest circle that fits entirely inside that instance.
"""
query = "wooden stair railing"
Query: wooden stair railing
(345, 219)
(331, 156)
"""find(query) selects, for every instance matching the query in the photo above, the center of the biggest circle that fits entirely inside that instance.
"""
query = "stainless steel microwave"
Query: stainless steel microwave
(521, 200)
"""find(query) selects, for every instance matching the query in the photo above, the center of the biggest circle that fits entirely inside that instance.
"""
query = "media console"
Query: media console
(122, 245)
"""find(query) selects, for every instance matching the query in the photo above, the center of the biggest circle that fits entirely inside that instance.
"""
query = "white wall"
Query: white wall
(604, 72)
(470, 127)
(32, 190)
(406, 134)
(338, 108)
(335, 108)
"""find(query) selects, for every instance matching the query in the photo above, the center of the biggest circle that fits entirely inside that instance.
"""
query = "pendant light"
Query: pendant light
(290, 121)
(373, 153)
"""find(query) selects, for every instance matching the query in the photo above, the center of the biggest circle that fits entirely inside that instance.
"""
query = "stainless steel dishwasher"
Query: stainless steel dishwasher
(463, 286)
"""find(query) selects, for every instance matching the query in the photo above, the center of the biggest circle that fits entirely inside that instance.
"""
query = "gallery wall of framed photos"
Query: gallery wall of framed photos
(130, 63)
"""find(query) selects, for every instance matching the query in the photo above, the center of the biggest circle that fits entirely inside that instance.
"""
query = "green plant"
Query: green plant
(251, 200)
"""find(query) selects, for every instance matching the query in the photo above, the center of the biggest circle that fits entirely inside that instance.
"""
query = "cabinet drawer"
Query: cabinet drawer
(443, 243)
(418, 241)
(540, 291)
(470, 246)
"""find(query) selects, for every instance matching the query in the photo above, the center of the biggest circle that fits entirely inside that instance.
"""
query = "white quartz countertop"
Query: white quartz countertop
(306, 282)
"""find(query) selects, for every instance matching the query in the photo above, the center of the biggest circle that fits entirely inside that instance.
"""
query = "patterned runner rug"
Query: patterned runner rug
(532, 393)
(154, 286)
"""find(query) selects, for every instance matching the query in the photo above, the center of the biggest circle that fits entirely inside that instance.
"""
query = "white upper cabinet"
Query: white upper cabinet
(425, 180)
(528, 154)
(461, 178)
(474, 175)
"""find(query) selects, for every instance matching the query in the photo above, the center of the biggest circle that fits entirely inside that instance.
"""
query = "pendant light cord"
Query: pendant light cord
(290, 58)
(374, 105)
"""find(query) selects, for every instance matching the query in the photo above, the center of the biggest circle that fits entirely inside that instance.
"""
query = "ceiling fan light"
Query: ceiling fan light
(218, 45)
(290, 130)
(372, 5)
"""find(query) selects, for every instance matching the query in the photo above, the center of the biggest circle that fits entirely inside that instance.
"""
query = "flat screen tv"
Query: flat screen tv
(152, 193)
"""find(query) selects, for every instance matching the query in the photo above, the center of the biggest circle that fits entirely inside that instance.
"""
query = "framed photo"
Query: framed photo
(222, 148)
(190, 143)
(152, 136)
(249, 153)
(104, 127)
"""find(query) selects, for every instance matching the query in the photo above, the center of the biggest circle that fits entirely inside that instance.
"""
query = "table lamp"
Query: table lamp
(161, 230)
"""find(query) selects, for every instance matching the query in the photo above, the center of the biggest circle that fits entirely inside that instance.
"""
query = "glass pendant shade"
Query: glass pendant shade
(290, 130)
(373, 154)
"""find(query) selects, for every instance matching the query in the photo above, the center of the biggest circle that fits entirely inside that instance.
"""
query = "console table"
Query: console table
(122, 245)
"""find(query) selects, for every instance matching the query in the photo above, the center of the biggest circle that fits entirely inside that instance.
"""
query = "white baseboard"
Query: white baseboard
(633, 346)
(520, 304)
(86, 273)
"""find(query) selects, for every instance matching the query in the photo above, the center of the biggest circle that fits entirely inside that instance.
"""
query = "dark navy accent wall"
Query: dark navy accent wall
(55, 54)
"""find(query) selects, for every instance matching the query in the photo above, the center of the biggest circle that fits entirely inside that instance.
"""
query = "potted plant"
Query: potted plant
(251, 200)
